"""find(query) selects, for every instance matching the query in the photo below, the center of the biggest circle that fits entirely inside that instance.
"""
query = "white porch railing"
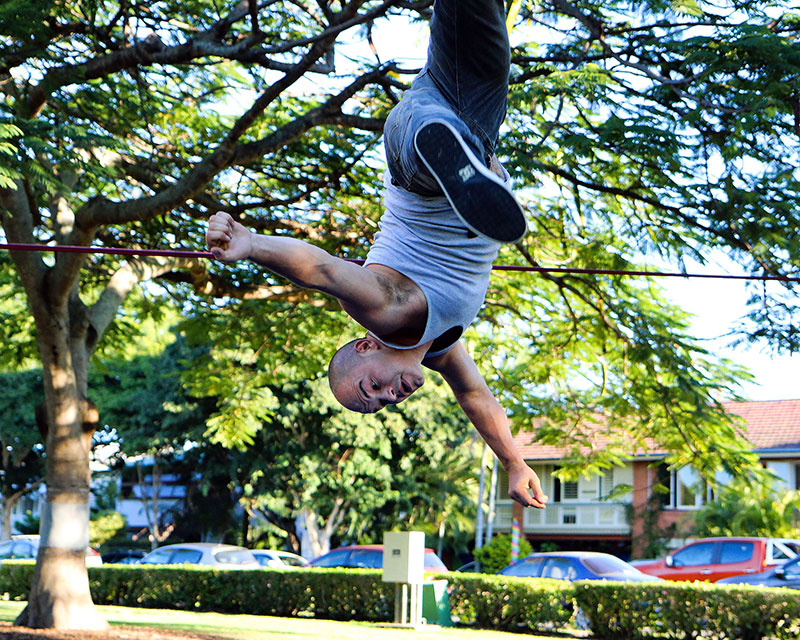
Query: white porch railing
(570, 517)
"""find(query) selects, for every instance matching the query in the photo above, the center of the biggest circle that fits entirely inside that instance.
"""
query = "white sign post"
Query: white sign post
(404, 564)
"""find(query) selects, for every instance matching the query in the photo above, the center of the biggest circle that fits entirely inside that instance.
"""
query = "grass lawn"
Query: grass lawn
(242, 627)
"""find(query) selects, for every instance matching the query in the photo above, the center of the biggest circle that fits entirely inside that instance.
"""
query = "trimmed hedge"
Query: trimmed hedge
(615, 610)
(336, 594)
(625, 610)
(508, 603)
(497, 602)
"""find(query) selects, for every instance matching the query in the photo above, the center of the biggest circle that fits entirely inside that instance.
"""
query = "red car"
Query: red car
(370, 556)
(711, 559)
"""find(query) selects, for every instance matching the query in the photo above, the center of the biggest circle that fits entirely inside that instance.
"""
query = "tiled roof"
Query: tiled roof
(769, 425)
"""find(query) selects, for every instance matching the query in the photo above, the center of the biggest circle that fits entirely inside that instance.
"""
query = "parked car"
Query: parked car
(575, 565)
(275, 559)
(370, 556)
(782, 575)
(711, 559)
(123, 556)
(223, 556)
(26, 547)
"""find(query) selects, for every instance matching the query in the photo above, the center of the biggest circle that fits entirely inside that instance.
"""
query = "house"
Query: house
(580, 515)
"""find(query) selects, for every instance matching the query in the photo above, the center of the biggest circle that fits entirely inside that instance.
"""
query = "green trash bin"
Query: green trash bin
(436, 603)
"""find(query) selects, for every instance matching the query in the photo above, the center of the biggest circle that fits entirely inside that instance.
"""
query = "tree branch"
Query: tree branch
(102, 312)
(18, 225)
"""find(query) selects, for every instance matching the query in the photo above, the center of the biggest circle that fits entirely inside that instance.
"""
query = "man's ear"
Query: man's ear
(366, 344)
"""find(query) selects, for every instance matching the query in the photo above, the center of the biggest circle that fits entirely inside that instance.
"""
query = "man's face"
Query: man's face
(380, 376)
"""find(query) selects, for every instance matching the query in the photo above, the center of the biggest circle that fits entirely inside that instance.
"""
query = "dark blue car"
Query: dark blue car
(576, 565)
(784, 575)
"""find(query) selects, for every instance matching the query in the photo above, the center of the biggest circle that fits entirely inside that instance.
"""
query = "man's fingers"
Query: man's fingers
(526, 500)
(218, 234)
(524, 497)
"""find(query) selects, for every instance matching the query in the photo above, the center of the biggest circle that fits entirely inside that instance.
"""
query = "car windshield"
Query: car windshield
(160, 556)
(528, 568)
(366, 559)
(234, 556)
(607, 565)
(332, 559)
(186, 556)
(432, 561)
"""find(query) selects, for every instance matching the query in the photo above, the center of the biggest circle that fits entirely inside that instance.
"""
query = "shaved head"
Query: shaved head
(365, 375)
(339, 368)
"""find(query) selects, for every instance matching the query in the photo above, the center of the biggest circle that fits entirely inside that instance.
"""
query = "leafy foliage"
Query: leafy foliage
(747, 508)
(508, 603)
(106, 526)
(636, 131)
(496, 554)
(21, 458)
(610, 169)
(642, 610)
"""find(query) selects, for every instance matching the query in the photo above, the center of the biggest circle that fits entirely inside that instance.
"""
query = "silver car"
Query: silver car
(275, 559)
(223, 556)
(26, 547)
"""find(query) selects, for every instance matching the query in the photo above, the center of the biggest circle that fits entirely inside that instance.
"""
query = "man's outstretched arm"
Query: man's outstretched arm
(304, 264)
(485, 413)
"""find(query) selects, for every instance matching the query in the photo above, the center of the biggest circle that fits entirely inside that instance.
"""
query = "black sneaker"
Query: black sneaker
(478, 196)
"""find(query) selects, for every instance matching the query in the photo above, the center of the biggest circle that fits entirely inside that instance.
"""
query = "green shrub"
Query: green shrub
(509, 603)
(16, 577)
(496, 554)
(338, 594)
(626, 611)
(106, 526)
(615, 610)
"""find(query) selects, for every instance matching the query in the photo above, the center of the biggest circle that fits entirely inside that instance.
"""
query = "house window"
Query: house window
(605, 484)
(687, 489)
(563, 490)
(661, 486)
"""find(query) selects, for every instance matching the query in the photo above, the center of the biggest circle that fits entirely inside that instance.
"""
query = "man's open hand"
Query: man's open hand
(525, 488)
(227, 239)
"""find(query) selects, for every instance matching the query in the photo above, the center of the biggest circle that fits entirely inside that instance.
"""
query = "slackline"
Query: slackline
(172, 253)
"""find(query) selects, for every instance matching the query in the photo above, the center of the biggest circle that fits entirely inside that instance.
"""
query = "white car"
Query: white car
(274, 559)
(223, 556)
(26, 547)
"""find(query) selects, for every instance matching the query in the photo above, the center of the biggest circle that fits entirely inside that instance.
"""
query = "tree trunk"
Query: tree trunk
(60, 597)
(67, 332)
(150, 503)
(319, 538)
(8, 504)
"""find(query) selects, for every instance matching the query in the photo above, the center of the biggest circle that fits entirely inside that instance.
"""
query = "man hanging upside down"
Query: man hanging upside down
(448, 209)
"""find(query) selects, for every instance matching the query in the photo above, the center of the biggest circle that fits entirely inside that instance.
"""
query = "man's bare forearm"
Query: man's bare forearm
(489, 419)
(304, 264)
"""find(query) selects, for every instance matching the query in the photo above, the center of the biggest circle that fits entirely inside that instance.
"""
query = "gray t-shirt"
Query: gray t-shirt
(423, 239)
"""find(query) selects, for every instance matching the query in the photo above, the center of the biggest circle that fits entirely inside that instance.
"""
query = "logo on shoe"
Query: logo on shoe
(466, 172)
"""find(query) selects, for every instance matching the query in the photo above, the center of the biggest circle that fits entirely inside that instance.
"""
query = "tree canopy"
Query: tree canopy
(635, 131)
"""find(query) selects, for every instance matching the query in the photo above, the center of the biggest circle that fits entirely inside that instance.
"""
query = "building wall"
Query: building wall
(579, 517)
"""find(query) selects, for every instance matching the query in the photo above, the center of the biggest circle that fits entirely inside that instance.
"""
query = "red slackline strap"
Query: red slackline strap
(62, 248)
